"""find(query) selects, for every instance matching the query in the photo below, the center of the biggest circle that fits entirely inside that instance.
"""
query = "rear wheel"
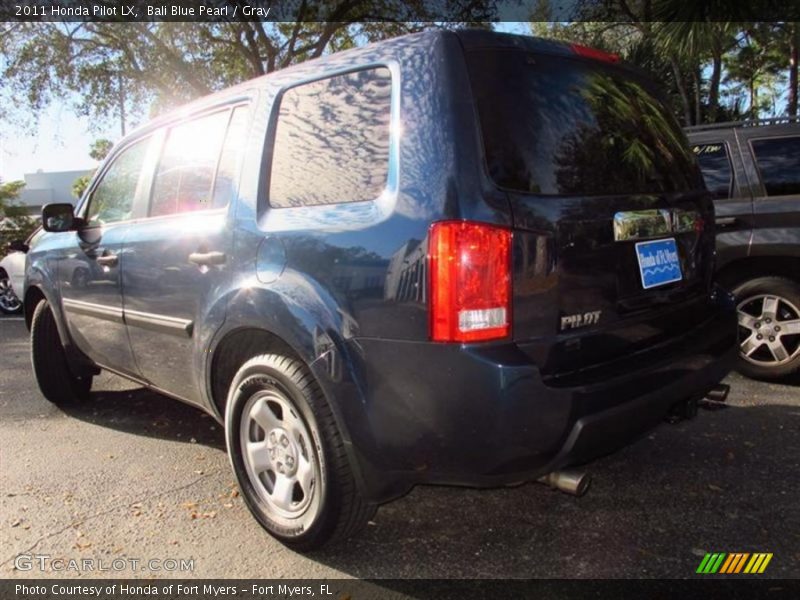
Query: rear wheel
(56, 381)
(288, 455)
(10, 304)
(769, 327)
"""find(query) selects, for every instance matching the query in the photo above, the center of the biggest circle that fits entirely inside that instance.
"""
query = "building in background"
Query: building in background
(47, 187)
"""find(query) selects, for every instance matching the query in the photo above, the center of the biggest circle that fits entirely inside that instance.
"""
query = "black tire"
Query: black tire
(339, 511)
(762, 364)
(57, 383)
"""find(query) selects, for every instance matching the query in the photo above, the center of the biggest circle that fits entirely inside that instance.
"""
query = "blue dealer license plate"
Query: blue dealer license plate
(658, 262)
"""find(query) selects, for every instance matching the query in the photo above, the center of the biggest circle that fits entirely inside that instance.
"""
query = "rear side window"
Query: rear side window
(778, 161)
(113, 197)
(715, 163)
(561, 125)
(332, 140)
(185, 175)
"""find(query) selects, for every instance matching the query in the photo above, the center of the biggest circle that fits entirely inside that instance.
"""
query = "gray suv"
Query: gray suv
(752, 169)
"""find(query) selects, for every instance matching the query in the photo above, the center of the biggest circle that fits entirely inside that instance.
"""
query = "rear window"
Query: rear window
(560, 125)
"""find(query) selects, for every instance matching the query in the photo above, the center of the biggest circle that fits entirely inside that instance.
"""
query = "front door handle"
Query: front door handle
(724, 222)
(108, 260)
(207, 258)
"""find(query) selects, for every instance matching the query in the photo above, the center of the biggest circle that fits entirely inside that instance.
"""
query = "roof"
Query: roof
(747, 123)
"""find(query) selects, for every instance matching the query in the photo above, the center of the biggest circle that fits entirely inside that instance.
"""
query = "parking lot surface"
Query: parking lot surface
(134, 475)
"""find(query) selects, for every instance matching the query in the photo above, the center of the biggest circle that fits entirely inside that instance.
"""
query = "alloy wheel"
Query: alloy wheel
(9, 302)
(769, 330)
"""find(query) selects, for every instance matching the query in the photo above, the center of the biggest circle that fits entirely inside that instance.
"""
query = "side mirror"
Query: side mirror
(58, 217)
(18, 246)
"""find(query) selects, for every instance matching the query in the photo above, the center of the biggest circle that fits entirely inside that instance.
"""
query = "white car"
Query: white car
(12, 273)
(12, 276)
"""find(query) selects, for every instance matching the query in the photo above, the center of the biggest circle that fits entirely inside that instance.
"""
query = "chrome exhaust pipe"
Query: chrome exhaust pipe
(570, 482)
(719, 393)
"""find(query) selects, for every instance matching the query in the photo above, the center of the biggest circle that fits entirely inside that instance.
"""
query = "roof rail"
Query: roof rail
(747, 123)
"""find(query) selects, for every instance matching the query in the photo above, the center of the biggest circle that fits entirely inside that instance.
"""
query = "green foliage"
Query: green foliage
(15, 223)
(100, 149)
(79, 185)
(108, 71)
(709, 69)
(9, 192)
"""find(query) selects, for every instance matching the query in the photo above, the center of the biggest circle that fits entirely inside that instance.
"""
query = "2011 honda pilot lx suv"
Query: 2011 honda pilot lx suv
(458, 258)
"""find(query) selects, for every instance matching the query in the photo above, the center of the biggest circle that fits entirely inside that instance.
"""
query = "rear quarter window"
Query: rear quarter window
(715, 164)
(561, 125)
(332, 140)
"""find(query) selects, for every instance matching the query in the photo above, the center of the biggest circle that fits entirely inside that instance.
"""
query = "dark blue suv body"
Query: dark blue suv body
(464, 258)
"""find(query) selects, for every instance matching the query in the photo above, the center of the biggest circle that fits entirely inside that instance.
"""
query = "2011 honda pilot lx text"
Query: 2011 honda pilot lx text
(459, 258)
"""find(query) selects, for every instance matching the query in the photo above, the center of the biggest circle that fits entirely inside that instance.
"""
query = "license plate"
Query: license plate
(658, 262)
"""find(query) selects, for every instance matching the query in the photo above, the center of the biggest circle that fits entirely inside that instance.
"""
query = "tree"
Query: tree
(696, 42)
(756, 67)
(15, 223)
(9, 192)
(98, 150)
(109, 70)
(80, 184)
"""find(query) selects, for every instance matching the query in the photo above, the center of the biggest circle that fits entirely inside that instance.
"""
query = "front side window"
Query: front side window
(230, 163)
(332, 140)
(113, 197)
(185, 174)
(779, 163)
(715, 163)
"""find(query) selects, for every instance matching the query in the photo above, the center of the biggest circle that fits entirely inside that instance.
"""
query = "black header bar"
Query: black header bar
(220, 11)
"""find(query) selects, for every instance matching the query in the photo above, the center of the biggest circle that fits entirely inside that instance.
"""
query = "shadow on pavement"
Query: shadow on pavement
(724, 482)
(142, 412)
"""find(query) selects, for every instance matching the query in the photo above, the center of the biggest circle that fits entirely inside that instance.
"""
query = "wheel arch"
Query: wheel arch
(744, 269)
(33, 296)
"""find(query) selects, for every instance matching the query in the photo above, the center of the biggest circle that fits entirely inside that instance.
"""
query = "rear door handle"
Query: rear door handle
(108, 260)
(207, 258)
(726, 221)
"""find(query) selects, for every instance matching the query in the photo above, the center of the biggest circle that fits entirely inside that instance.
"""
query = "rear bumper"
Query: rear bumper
(483, 416)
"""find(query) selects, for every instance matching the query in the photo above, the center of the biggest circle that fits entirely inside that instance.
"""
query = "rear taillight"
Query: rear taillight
(469, 281)
(594, 53)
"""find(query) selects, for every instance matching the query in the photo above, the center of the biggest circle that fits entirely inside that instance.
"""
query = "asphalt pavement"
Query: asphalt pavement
(136, 476)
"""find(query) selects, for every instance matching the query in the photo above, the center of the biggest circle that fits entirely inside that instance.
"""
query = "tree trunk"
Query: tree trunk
(713, 86)
(697, 103)
(687, 108)
(753, 99)
(121, 100)
(794, 42)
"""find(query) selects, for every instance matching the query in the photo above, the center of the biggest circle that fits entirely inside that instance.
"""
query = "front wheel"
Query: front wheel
(288, 455)
(56, 381)
(769, 327)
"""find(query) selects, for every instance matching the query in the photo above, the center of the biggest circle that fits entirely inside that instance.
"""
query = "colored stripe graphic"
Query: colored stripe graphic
(727, 564)
(740, 564)
(735, 562)
(711, 562)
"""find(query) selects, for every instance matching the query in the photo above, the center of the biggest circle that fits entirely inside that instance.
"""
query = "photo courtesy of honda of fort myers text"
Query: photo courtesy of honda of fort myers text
(387, 299)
